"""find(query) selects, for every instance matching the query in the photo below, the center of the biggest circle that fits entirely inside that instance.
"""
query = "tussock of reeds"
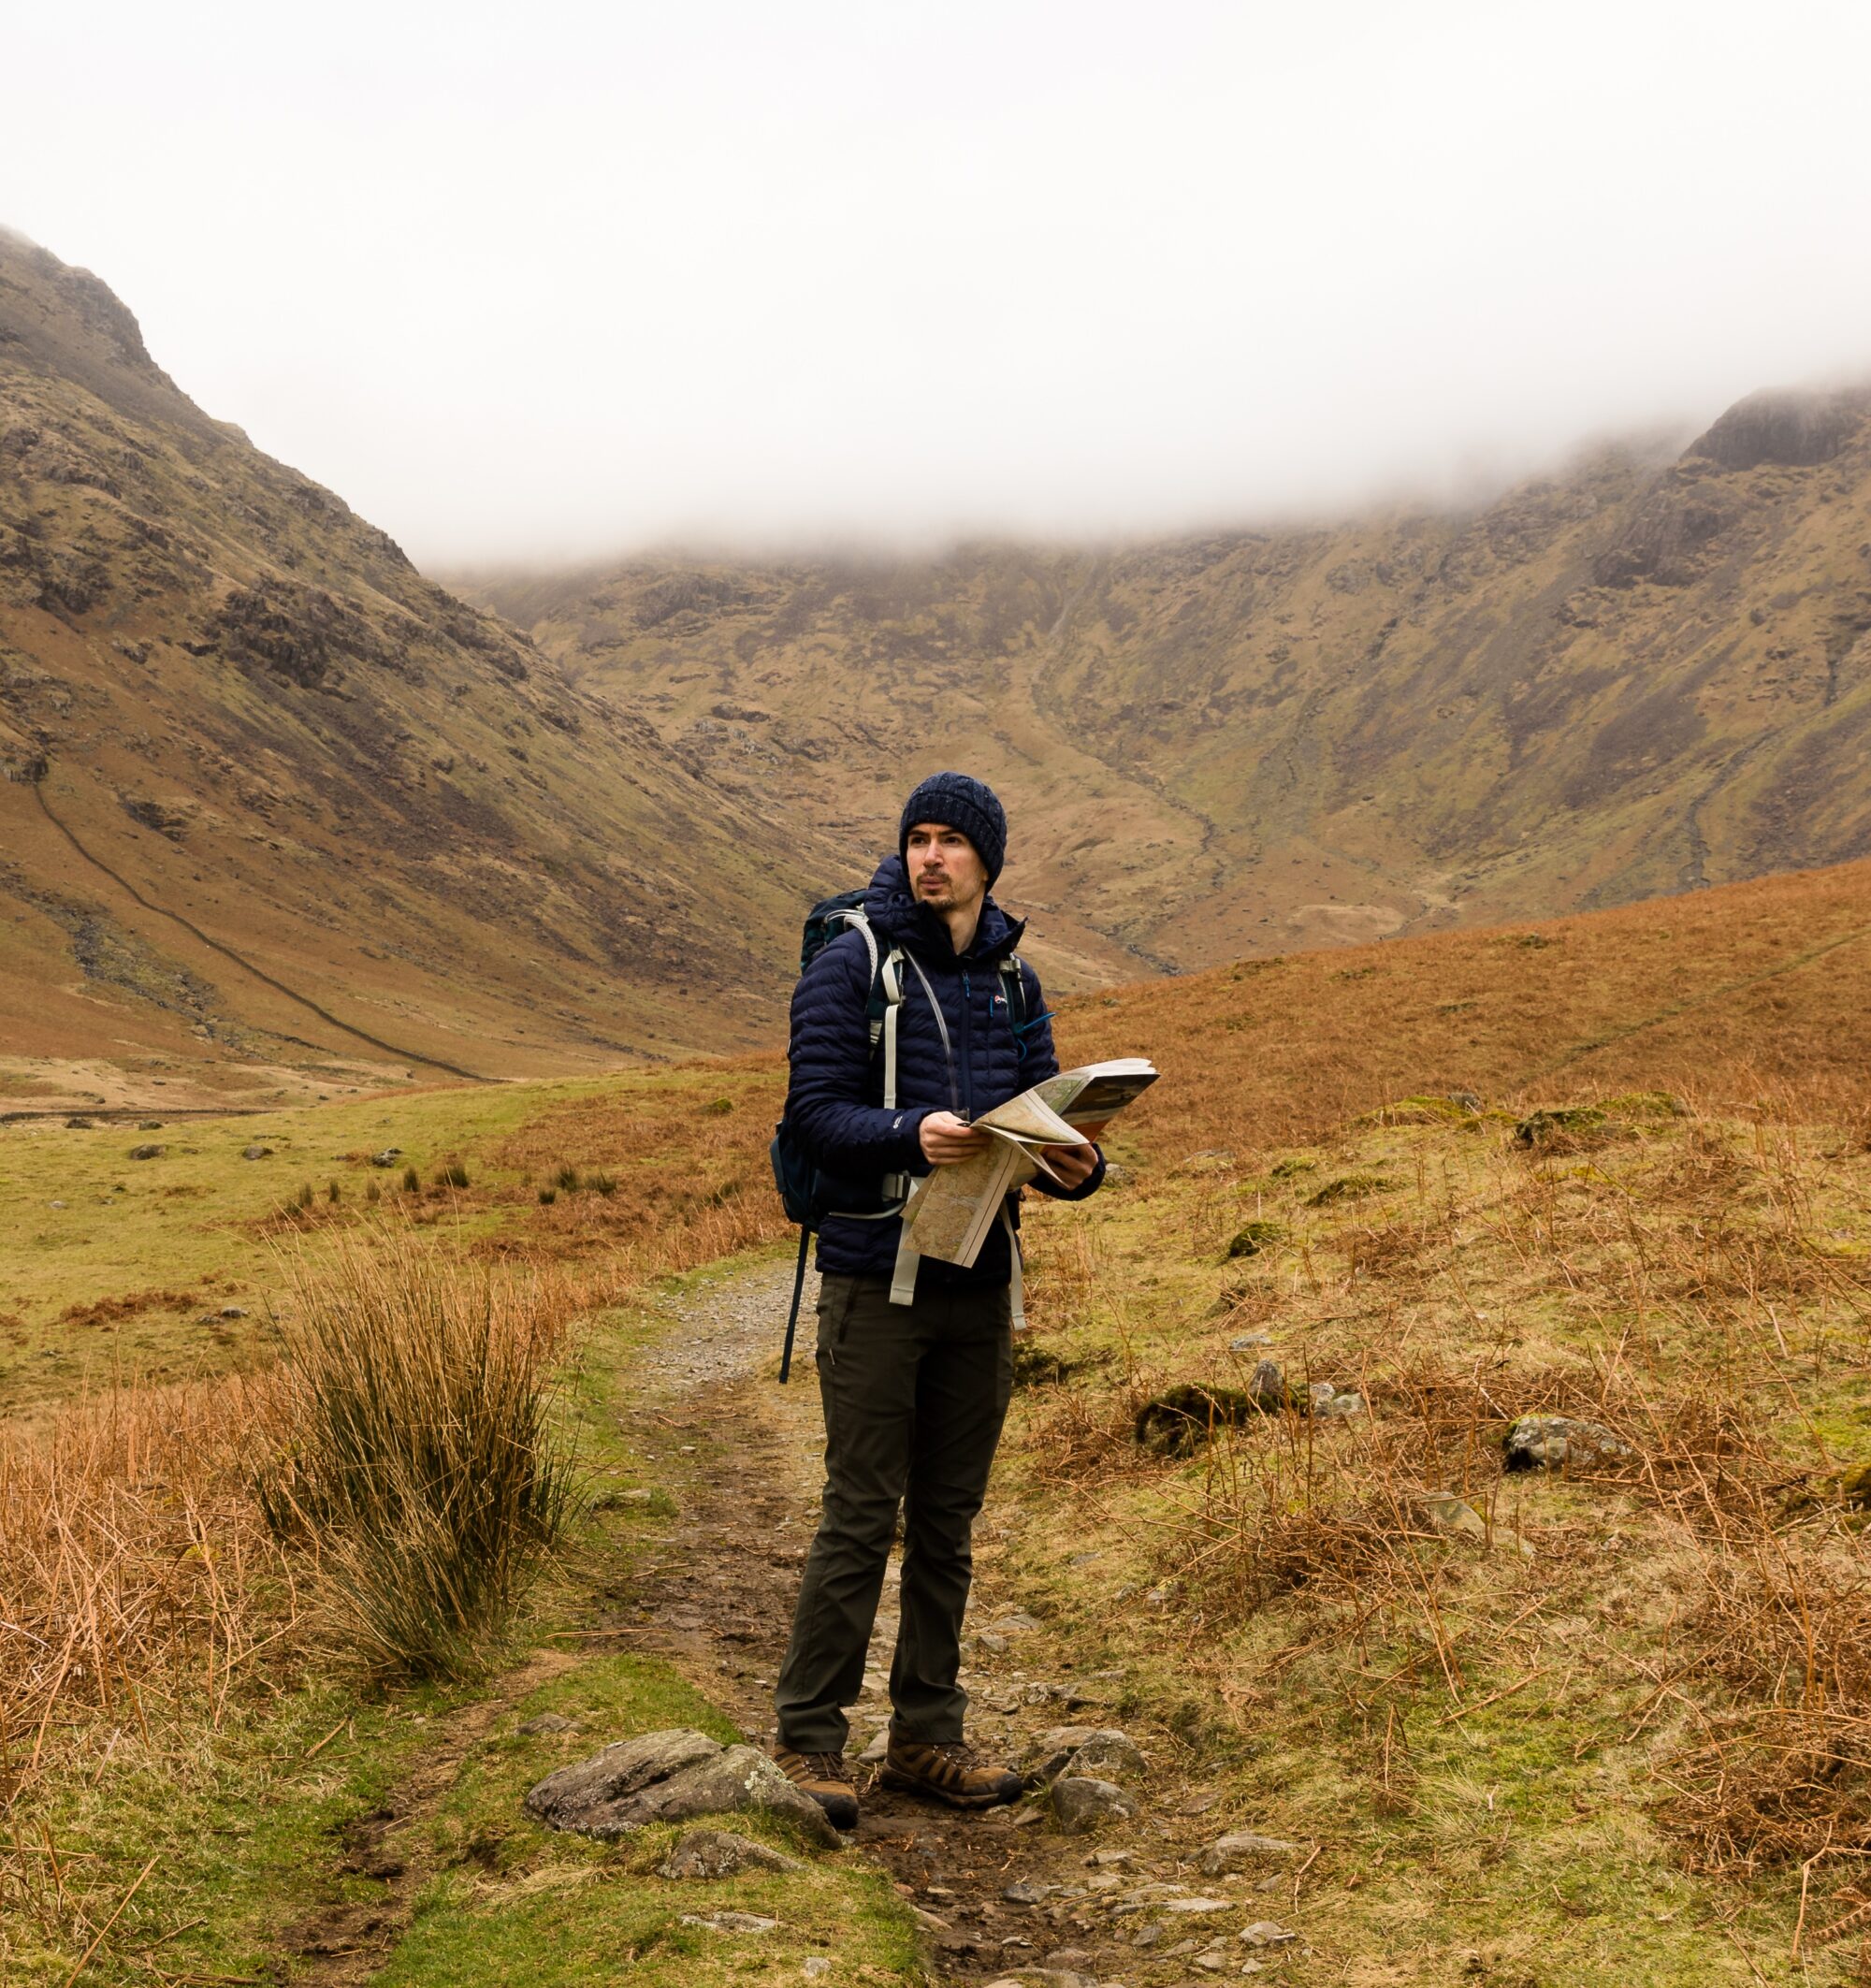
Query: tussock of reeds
(412, 1448)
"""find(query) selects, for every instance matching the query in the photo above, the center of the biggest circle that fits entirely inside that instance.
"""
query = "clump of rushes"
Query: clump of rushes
(303, 1199)
(548, 1196)
(453, 1175)
(567, 1178)
(333, 1193)
(412, 1181)
(411, 1443)
(373, 1193)
(601, 1183)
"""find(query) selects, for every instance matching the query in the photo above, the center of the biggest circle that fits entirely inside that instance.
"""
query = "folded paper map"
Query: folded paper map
(953, 1209)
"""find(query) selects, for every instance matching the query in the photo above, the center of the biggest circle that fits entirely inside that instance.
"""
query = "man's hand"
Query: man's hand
(947, 1140)
(1074, 1165)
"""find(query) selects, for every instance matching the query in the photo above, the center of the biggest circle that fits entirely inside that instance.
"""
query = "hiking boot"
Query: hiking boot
(826, 1779)
(950, 1770)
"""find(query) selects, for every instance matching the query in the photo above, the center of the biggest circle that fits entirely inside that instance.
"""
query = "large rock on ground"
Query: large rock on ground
(1555, 1442)
(672, 1776)
(1082, 1802)
(1242, 1850)
(721, 1854)
(1100, 1752)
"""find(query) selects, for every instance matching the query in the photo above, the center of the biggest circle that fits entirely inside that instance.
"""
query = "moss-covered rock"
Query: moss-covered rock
(1350, 1188)
(1250, 1238)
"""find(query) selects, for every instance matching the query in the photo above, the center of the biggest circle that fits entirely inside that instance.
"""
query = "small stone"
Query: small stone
(1247, 1341)
(1446, 1514)
(730, 1921)
(549, 1722)
(1200, 1802)
(1268, 1390)
(148, 1125)
(1555, 1442)
(873, 1755)
(1081, 1802)
(1265, 1933)
(1070, 1957)
(78, 1124)
(1320, 1393)
(1022, 1892)
(814, 1966)
(721, 1854)
(1098, 1750)
(1240, 1849)
(1199, 1905)
(147, 1152)
(233, 1310)
(1349, 1403)
(1015, 1624)
(992, 1641)
(387, 1157)
(1109, 1860)
(1217, 1960)
(256, 1153)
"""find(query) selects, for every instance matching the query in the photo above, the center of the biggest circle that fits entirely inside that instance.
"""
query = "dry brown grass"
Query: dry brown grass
(138, 1580)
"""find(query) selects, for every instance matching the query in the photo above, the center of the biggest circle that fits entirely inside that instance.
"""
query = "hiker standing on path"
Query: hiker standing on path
(914, 1393)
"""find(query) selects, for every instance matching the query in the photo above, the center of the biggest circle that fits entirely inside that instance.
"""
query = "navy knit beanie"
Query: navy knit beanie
(956, 801)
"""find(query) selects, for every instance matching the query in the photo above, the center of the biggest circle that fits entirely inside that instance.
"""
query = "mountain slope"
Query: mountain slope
(275, 800)
(1641, 675)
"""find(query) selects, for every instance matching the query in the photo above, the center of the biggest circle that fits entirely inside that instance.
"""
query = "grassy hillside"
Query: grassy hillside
(282, 816)
(1607, 1728)
(1646, 673)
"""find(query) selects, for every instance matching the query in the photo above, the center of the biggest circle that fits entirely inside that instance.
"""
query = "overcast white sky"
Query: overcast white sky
(543, 281)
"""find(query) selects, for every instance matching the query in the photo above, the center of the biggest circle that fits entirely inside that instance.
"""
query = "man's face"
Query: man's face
(946, 873)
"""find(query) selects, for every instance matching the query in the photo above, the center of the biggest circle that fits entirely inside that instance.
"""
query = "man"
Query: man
(914, 1394)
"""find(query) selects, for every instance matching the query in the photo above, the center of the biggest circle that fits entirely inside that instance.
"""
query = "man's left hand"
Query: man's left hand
(1074, 1165)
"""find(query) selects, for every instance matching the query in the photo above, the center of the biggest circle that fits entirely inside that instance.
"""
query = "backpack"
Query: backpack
(806, 1192)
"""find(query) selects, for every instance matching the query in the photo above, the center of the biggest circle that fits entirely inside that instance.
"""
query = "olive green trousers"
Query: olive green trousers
(915, 1397)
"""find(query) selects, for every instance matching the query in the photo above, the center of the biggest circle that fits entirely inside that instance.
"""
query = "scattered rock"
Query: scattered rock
(1319, 1395)
(1557, 1443)
(1015, 1624)
(1100, 1752)
(1081, 1802)
(1564, 1128)
(1199, 1905)
(147, 1153)
(78, 1124)
(1265, 1933)
(873, 1755)
(721, 1854)
(1069, 1958)
(1348, 1403)
(387, 1157)
(256, 1153)
(1464, 1100)
(1350, 1187)
(813, 1966)
(671, 1776)
(1240, 1850)
(550, 1722)
(1269, 1392)
(1216, 1960)
(1444, 1511)
(1247, 1341)
(730, 1921)
(1109, 1860)
(233, 1310)
(148, 1125)
(1021, 1893)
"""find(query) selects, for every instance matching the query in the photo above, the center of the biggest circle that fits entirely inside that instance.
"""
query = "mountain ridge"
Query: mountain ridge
(1644, 672)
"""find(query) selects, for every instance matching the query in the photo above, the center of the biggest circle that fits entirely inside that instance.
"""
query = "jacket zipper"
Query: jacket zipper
(968, 1048)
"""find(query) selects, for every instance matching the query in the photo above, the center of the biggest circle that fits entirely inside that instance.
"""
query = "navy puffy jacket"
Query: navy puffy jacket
(836, 1102)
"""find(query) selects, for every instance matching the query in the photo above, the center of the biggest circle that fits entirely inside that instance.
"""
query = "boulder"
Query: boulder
(671, 1776)
(1265, 1933)
(721, 1854)
(1242, 1850)
(549, 1722)
(147, 1152)
(1348, 1403)
(1556, 1442)
(1100, 1752)
(1081, 1802)
(256, 1153)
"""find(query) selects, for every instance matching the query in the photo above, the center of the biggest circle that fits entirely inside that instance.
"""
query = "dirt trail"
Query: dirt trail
(742, 1456)
(713, 1597)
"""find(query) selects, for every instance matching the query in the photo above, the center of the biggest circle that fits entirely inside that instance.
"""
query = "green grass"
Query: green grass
(248, 1824)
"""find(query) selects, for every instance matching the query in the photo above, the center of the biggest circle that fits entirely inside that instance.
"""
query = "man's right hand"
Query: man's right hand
(947, 1140)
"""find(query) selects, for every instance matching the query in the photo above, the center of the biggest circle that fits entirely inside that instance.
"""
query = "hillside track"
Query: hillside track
(743, 1455)
(247, 966)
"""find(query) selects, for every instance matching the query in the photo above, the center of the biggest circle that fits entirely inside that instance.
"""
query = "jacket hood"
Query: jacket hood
(896, 917)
